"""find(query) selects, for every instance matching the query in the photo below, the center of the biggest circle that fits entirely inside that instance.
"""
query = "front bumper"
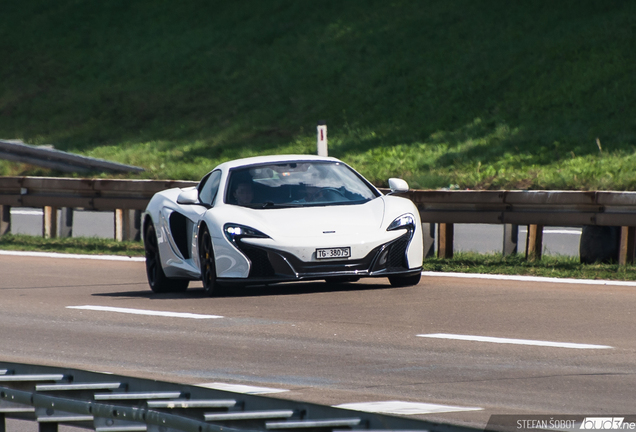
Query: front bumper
(269, 265)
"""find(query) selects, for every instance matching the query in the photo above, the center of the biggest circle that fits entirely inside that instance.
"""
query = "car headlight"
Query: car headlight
(234, 232)
(406, 221)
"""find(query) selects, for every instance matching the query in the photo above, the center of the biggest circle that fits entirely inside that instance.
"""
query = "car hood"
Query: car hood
(321, 220)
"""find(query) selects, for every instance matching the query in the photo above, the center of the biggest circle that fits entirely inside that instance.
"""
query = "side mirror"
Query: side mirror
(188, 196)
(398, 185)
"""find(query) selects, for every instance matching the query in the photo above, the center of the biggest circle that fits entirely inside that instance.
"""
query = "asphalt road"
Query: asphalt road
(337, 344)
(468, 237)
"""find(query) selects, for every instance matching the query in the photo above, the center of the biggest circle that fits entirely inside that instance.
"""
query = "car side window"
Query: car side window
(209, 187)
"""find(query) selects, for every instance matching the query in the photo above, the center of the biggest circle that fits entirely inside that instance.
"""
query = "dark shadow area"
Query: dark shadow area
(66, 286)
(283, 289)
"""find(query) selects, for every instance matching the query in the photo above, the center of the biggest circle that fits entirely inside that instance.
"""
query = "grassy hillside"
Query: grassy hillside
(480, 94)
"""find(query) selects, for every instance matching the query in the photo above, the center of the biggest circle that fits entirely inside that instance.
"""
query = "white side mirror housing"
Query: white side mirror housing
(188, 196)
(398, 185)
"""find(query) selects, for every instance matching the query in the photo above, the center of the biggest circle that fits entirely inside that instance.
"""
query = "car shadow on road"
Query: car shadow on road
(295, 288)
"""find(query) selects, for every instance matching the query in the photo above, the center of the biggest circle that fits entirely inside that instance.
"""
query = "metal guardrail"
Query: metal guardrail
(556, 208)
(58, 160)
(511, 208)
(125, 197)
(535, 209)
(111, 403)
(89, 194)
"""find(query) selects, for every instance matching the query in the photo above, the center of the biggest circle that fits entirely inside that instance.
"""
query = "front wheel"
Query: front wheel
(157, 279)
(404, 281)
(208, 267)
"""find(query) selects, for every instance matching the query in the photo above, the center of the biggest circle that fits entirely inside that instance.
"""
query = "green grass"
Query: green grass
(554, 266)
(482, 95)
(75, 245)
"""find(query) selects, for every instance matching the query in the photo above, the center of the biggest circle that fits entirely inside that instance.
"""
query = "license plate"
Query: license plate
(340, 252)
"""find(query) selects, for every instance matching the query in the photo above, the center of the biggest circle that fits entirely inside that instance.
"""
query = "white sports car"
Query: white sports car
(272, 219)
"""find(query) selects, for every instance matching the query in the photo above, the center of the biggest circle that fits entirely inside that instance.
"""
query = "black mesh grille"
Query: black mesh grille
(397, 253)
(261, 267)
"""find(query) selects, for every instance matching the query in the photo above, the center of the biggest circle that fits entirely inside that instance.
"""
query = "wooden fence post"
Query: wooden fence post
(534, 242)
(49, 222)
(5, 219)
(445, 237)
(626, 251)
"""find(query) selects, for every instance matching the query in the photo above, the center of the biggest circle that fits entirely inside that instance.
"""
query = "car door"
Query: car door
(184, 219)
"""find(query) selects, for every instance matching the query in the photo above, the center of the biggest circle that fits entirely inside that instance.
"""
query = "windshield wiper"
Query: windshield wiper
(271, 204)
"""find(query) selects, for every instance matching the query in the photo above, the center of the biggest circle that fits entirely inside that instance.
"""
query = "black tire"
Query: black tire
(157, 279)
(208, 266)
(404, 281)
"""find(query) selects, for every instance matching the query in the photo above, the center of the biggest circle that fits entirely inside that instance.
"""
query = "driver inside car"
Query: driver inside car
(243, 193)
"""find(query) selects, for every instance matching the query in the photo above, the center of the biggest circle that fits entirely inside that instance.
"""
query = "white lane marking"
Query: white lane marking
(239, 388)
(404, 408)
(72, 256)
(145, 312)
(27, 212)
(514, 341)
(531, 279)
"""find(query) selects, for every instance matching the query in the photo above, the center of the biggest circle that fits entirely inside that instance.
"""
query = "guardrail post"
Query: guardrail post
(628, 241)
(534, 242)
(428, 234)
(5, 222)
(510, 239)
(49, 222)
(47, 427)
(119, 225)
(127, 225)
(134, 225)
(3, 424)
(445, 233)
(139, 226)
(66, 222)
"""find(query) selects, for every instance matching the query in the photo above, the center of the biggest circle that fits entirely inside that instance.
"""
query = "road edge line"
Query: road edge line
(518, 278)
(72, 256)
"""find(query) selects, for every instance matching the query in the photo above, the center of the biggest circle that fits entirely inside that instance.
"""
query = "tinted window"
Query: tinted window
(297, 184)
(209, 187)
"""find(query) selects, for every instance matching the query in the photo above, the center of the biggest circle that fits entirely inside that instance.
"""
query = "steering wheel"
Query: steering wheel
(325, 192)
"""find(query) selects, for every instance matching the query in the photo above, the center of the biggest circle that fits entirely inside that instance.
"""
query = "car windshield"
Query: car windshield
(294, 184)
